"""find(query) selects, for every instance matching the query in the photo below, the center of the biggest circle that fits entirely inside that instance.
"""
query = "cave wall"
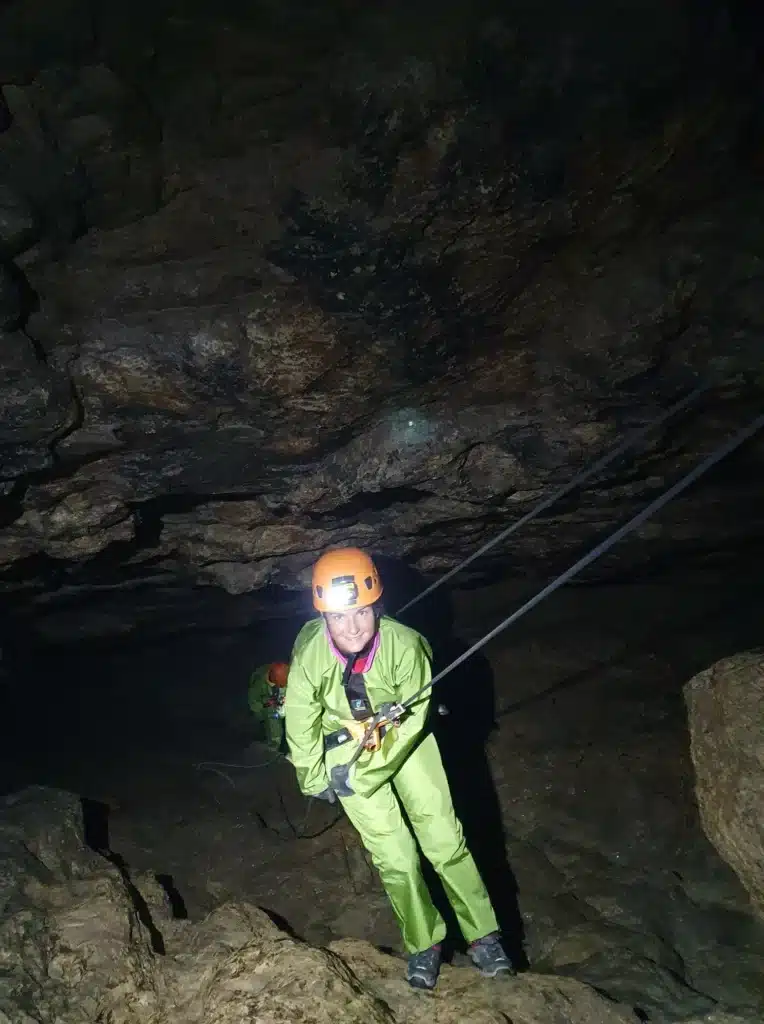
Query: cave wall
(279, 276)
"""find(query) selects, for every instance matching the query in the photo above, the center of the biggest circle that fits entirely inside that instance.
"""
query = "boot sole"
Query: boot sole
(496, 972)
(421, 984)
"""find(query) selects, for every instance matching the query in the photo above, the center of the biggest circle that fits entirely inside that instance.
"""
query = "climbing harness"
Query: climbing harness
(339, 775)
(580, 478)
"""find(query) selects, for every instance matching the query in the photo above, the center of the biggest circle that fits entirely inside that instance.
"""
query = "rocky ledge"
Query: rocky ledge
(82, 941)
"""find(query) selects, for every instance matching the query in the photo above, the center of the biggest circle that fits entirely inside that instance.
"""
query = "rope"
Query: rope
(580, 478)
(208, 765)
(298, 831)
(681, 485)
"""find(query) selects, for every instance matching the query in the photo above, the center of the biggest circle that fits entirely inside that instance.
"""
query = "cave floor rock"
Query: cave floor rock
(617, 886)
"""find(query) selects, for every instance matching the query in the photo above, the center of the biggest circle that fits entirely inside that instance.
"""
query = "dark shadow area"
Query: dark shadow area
(569, 682)
(139, 904)
(95, 823)
(467, 693)
(18, 300)
(175, 900)
(70, 713)
(282, 923)
(314, 818)
(739, 611)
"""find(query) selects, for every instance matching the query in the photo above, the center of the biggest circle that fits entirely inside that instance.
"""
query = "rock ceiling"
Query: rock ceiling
(281, 278)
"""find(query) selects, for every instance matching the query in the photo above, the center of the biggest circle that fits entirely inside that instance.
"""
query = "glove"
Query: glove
(339, 779)
(328, 794)
(358, 730)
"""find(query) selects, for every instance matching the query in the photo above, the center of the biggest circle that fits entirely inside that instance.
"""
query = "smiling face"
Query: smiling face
(351, 631)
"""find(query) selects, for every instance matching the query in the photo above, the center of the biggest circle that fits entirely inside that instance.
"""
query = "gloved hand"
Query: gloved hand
(328, 794)
(339, 779)
(358, 730)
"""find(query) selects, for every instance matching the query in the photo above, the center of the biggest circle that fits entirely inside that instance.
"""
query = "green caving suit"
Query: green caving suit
(270, 719)
(406, 768)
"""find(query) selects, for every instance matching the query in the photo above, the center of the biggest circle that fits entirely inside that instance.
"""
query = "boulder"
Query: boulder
(83, 941)
(41, 840)
(724, 705)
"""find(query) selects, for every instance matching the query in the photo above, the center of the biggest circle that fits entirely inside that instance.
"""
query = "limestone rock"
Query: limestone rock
(41, 837)
(35, 407)
(96, 944)
(70, 937)
(79, 952)
(463, 995)
(391, 284)
(720, 1017)
(239, 966)
(724, 705)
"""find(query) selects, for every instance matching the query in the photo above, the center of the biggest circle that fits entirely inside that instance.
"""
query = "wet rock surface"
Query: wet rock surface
(276, 279)
(725, 713)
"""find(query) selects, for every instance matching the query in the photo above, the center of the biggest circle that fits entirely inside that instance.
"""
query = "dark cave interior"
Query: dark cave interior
(276, 278)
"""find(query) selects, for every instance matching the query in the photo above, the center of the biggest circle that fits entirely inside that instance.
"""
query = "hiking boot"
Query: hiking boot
(489, 957)
(423, 968)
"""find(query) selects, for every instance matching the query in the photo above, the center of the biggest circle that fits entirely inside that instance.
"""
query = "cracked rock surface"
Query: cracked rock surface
(84, 941)
(278, 278)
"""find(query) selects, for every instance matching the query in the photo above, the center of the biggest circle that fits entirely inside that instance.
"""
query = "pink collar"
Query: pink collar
(368, 661)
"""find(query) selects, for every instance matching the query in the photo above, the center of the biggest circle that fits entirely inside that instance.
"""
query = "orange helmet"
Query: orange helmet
(278, 673)
(343, 579)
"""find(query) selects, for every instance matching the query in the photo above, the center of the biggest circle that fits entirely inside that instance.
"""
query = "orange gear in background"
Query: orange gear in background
(278, 673)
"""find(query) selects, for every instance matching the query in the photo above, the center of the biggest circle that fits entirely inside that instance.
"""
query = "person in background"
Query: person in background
(348, 664)
(267, 687)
